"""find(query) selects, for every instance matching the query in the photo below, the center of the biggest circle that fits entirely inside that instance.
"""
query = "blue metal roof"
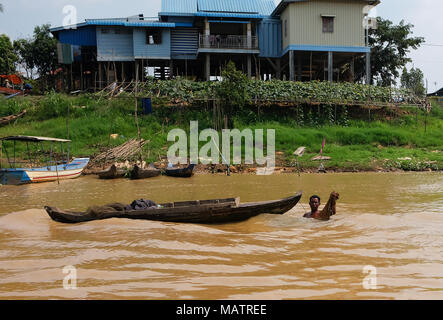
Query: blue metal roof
(189, 7)
(229, 15)
(129, 23)
(123, 23)
(179, 6)
(262, 7)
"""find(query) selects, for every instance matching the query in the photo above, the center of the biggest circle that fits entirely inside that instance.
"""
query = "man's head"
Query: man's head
(314, 202)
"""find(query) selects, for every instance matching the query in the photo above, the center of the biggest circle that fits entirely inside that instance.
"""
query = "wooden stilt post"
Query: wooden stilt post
(136, 72)
(81, 75)
(71, 81)
(353, 69)
(100, 76)
(123, 71)
(310, 68)
(107, 72)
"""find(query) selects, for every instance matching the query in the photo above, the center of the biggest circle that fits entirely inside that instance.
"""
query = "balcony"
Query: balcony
(235, 42)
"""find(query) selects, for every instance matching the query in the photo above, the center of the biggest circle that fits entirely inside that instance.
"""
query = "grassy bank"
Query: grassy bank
(357, 139)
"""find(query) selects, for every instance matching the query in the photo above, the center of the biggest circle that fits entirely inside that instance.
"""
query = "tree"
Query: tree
(7, 56)
(413, 80)
(232, 92)
(44, 50)
(390, 45)
(23, 48)
(1, 7)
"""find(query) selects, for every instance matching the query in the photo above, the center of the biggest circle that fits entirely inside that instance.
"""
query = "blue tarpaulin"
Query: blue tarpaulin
(147, 106)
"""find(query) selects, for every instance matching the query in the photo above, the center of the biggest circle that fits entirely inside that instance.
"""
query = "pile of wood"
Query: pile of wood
(123, 152)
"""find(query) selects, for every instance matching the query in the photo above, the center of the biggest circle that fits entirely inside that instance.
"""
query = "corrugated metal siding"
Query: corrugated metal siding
(285, 19)
(264, 7)
(177, 19)
(306, 23)
(179, 6)
(81, 37)
(130, 23)
(114, 47)
(184, 43)
(269, 37)
(151, 51)
(65, 54)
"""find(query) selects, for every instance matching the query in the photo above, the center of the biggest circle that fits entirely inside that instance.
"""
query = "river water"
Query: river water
(389, 223)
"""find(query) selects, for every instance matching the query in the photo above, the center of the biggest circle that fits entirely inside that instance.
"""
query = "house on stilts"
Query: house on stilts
(298, 40)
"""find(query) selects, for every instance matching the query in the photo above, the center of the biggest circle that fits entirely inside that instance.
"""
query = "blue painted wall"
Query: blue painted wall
(269, 37)
(80, 37)
(184, 43)
(142, 50)
(116, 45)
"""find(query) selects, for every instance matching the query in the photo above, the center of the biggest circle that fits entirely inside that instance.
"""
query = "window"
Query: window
(153, 36)
(328, 24)
(123, 31)
(286, 28)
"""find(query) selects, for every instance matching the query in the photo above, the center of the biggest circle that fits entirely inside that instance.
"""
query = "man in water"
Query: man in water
(328, 211)
(314, 203)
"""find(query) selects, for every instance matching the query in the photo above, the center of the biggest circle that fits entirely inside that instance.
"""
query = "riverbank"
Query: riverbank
(357, 138)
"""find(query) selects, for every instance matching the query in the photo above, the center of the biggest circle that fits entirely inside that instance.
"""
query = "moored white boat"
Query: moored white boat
(41, 173)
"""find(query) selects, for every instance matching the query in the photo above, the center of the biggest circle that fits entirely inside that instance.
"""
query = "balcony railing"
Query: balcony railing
(228, 42)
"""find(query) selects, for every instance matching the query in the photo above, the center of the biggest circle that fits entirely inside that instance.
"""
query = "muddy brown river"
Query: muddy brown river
(386, 241)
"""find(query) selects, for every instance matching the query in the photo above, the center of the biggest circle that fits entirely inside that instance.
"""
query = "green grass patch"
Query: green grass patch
(352, 144)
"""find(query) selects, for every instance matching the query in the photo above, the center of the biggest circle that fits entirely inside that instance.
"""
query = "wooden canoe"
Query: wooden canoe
(180, 172)
(8, 119)
(139, 173)
(203, 212)
(112, 173)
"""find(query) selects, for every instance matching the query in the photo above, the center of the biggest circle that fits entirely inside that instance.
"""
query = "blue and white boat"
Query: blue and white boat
(31, 168)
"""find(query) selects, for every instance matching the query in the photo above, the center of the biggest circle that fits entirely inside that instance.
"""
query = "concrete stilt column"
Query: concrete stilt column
(249, 35)
(249, 66)
(207, 33)
(171, 69)
(330, 66)
(368, 67)
(208, 67)
(291, 66)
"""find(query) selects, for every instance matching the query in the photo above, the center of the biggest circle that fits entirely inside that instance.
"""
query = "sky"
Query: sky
(21, 16)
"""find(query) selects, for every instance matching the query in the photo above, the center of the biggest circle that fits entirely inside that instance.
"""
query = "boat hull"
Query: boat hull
(43, 174)
(181, 173)
(214, 213)
(112, 173)
(137, 173)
